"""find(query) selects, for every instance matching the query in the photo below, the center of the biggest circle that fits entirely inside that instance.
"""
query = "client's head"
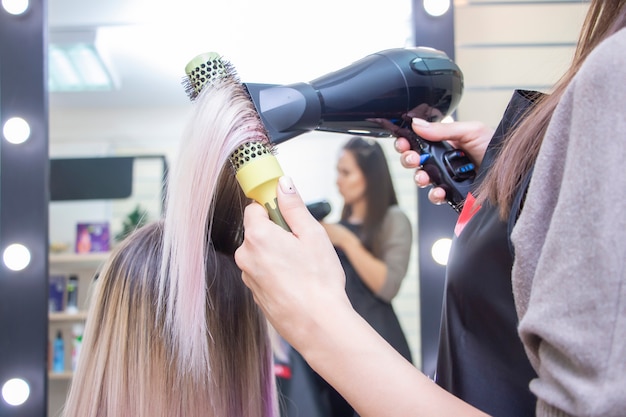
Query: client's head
(129, 363)
(171, 329)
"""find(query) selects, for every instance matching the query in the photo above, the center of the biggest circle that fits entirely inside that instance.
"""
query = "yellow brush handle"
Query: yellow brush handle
(258, 179)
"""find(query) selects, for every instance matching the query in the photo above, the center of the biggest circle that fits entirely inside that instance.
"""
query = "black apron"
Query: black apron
(378, 313)
(481, 358)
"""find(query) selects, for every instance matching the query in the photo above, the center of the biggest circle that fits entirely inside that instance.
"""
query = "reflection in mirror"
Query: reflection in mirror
(103, 191)
(144, 46)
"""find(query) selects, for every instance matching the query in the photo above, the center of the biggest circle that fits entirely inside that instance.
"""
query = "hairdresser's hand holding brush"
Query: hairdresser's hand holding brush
(471, 137)
(290, 274)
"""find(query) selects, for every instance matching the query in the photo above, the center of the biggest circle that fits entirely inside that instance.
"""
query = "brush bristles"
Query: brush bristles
(247, 152)
(206, 69)
(212, 69)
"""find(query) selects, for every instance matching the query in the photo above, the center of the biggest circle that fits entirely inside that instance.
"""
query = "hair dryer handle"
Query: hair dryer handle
(319, 209)
(447, 167)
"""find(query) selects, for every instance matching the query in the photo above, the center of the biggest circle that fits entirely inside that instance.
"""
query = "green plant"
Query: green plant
(133, 221)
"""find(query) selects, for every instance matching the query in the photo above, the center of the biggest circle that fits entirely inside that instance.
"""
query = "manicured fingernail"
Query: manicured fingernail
(411, 159)
(420, 122)
(286, 185)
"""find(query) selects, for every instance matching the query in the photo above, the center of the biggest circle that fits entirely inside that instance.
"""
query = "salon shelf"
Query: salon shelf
(78, 260)
(67, 317)
(60, 376)
(84, 266)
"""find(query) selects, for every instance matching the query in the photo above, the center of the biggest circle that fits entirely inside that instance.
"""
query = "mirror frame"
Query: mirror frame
(24, 206)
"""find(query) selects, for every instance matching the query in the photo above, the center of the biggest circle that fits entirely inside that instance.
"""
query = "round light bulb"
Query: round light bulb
(15, 391)
(436, 8)
(441, 250)
(16, 257)
(16, 130)
(15, 7)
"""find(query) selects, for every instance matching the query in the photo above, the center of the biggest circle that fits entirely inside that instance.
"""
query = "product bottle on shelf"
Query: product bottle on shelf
(72, 294)
(58, 286)
(58, 356)
(77, 341)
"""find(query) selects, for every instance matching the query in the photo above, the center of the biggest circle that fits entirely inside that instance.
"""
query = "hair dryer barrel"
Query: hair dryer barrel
(386, 85)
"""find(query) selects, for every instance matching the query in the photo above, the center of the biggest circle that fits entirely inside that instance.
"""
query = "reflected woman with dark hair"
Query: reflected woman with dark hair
(171, 329)
(373, 240)
(373, 237)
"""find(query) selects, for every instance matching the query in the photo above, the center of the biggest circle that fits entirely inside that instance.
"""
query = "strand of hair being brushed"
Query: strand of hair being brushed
(224, 116)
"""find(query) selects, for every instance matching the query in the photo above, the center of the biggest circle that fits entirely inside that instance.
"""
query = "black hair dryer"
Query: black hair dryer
(376, 96)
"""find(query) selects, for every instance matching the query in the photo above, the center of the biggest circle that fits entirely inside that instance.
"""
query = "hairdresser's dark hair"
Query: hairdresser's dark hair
(379, 191)
(520, 149)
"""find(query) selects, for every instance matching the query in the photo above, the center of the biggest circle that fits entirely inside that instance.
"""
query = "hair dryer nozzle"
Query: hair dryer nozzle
(286, 110)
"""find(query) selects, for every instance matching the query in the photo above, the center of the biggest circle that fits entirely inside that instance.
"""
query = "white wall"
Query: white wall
(504, 45)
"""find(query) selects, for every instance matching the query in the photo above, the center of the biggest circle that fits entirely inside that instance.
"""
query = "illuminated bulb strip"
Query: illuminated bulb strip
(15, 7)
(436, 8)
(16, 130)
(16, 257)
(441, 250)
(15, 391)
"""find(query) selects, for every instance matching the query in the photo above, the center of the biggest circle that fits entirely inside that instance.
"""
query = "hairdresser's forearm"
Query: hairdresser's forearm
(370, 374)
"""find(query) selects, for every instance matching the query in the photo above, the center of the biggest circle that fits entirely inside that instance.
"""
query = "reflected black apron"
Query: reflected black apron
(306, 394)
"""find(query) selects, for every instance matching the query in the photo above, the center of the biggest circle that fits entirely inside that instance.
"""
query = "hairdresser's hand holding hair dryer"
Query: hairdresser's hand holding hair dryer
(472, 137)
(563, 322)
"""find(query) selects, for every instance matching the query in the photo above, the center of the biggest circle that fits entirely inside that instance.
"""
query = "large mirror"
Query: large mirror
(143, 47)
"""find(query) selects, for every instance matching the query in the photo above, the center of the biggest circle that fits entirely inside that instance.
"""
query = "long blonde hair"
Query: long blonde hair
(520, 149)
(172, 330)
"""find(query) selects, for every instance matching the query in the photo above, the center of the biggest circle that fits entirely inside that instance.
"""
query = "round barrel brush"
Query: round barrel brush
(256, 168)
